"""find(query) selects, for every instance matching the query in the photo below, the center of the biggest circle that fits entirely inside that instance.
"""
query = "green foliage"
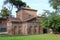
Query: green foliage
(54, 19)
(51, 21)
(44, 20)
(4, 12)
(16, 3)
(54, 3)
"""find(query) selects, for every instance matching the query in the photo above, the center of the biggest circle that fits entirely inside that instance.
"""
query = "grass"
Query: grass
(30, 37)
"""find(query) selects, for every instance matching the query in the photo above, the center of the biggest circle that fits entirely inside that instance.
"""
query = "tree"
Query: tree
(4, 12)
(54, 21)
(16, 3)
(51, 21)
(55, 4)
(44, 20)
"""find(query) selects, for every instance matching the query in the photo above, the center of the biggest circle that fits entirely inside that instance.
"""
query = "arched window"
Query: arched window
(15, 28)
(29, 29)
(19, 30)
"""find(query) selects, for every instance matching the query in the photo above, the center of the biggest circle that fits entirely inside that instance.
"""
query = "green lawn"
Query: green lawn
(30, 37)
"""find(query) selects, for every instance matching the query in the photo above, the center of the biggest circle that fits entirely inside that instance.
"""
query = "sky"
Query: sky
(39, 5)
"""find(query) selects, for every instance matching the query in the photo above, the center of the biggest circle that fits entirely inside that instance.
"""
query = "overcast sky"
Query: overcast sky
(39, 5)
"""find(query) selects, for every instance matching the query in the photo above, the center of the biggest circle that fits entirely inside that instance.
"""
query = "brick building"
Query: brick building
(25, 22)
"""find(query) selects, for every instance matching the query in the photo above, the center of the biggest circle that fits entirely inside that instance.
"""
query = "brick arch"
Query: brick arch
(19, 30)
(29, 29)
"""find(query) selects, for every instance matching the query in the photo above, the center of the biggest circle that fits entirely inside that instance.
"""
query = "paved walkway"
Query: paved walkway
(3, 32)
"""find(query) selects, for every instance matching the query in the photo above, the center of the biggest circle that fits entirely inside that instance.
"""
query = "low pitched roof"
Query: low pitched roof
(18, 20)
(25, 8)
(14, 19)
